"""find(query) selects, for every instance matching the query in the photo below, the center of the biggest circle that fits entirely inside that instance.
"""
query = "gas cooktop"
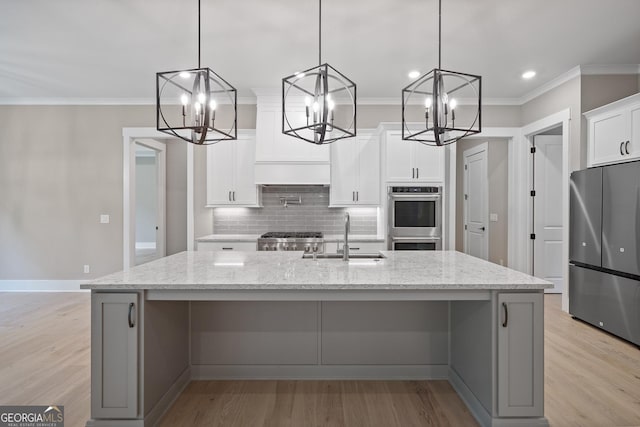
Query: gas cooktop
(292, 235)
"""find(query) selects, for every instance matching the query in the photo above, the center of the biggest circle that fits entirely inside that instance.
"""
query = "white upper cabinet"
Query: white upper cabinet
(614, 132)
(274, 146)
(355, 172)
(230, 173)
(411, 161)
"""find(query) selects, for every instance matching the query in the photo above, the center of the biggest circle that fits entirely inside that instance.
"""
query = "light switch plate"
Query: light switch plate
(493, 217)
(104, 219)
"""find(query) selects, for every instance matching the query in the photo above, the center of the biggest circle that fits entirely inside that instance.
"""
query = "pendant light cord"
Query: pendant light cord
(440, 34)
(199, 37)
(319, 32)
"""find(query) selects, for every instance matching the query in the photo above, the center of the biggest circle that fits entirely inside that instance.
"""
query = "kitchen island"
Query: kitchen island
(409, 315)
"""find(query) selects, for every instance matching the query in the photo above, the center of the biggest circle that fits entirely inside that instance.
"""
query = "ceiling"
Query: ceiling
(112, 49)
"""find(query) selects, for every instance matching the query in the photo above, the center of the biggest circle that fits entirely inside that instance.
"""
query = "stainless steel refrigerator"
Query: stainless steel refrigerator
(604, 248)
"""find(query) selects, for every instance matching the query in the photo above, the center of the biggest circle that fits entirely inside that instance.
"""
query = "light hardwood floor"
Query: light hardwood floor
(591, 378)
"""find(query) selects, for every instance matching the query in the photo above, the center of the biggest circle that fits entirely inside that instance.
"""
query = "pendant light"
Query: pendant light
(188, 100)
(438, 94)
(319, 104)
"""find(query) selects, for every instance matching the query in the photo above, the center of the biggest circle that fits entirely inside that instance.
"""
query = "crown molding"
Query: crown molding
(273, 95)
(96, 101)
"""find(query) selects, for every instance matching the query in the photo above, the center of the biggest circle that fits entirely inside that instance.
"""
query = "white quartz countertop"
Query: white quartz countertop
(401, 270)
(330, 238)
(229, 238)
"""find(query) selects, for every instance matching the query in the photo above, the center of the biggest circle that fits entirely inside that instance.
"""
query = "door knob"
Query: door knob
(482, 228)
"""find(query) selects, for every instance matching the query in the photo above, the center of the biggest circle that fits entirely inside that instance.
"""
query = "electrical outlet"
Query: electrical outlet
(493, 217)
(87, 270)
(104, 219)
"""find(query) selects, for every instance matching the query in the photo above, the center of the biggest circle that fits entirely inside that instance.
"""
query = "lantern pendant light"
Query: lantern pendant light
(438, 94)
(319, 104)
(188, 100)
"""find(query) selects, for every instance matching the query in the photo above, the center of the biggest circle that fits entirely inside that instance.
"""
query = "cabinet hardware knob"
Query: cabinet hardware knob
(130, 316)
(506, 315)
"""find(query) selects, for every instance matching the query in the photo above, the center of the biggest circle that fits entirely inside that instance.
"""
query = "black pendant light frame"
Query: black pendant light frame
(199, 103)
(326, 87)
(431, 86)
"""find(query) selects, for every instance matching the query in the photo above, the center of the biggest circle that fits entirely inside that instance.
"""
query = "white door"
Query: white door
(244, 172)
(220, 166)
(399, 158)
(476, 202)
(368, 191)
(344, 170)
(547, 210)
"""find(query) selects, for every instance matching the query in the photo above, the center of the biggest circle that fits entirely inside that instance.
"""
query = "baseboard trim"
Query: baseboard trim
(41, 285)
(145, 245)
(477, 410)
(315, 372)
(165, 402)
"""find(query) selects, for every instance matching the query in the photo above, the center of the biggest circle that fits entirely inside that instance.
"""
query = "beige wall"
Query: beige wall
(176, 206)
(497, 170)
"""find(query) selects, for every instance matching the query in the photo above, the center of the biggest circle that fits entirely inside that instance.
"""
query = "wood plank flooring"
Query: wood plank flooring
(592, 379)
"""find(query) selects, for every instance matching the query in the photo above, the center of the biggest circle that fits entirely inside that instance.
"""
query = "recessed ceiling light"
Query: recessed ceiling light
(528, 74)
(414, 74)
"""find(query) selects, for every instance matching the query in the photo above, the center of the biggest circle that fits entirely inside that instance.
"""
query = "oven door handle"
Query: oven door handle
(416, 197)
(415, 239)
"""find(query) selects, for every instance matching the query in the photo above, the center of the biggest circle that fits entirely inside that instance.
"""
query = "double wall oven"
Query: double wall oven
(415, 218)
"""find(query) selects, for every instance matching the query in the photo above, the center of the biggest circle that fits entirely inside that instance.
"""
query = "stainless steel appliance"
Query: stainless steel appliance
(292, 241)
(604, 248)
(415, 218)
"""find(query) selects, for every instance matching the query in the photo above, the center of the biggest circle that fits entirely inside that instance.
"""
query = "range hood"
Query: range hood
(282, 159)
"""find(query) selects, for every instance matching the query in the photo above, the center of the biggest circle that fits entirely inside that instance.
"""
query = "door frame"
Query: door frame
(561, 118)
(130, 136)
(466, 153)
(161, 188)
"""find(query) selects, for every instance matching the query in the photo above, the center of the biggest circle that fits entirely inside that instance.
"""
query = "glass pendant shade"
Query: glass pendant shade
(199, 102)
(319, 105)
(432, 102)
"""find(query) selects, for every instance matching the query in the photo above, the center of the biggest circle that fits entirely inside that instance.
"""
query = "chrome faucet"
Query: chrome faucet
(347, 228)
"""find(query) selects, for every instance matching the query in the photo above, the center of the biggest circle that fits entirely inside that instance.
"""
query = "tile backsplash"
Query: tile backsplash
(313, 214)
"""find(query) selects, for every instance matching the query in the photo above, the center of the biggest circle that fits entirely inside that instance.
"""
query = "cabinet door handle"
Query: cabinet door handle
(418, 173)
(227, 249)
(229, 195)
(357, 196)
(353, 196)
(622, 148)
(413, 173)
(130, 317)
(626, 147)
(506, 315)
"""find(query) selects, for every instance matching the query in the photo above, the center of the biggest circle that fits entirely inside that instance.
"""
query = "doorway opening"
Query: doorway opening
(150, 201)
(482, 213)
(547, 216)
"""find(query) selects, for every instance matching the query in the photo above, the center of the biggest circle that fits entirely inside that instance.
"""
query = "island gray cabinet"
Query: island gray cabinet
(114, 354)
(520, 355)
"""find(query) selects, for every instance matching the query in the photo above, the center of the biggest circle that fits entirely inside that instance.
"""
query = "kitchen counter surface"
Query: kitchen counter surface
(332, 238)
(402, 270)
(229, 238)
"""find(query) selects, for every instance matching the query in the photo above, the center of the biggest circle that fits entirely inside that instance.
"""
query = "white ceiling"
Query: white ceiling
(113, 48)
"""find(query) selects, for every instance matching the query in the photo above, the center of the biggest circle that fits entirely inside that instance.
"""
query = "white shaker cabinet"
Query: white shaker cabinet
(114, 354)
(614, 132)
(230, 245)
(230, 173)
(355, 172)
(411, 161)
(520, 355)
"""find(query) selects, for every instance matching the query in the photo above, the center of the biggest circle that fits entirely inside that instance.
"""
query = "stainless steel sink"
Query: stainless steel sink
(339, 256)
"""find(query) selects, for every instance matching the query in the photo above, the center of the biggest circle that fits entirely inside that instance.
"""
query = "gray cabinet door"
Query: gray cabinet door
(114, 355)
(520, 355)
(621, 217)
(585, 225)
